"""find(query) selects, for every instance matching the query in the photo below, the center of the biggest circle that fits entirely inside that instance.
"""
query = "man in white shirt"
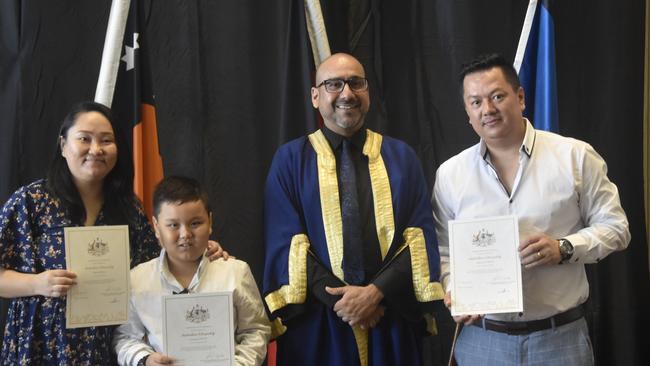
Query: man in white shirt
(183, 223)
(569, 214)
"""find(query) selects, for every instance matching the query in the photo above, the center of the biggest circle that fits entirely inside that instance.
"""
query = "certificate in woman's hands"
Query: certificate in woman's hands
(99, 255)
(485, 266)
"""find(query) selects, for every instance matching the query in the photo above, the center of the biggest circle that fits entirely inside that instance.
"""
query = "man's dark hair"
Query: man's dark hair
(487, 62)
(118, 184)
(178, 190)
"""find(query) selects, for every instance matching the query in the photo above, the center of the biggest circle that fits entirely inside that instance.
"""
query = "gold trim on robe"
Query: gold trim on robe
(381, 193)
(361, 336)
(425, 290)
(432, 326)
(329, 201)
(296, 291)
(277, 328)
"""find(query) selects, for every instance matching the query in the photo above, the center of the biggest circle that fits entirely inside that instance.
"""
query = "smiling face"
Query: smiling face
(89, 148)
(342, 112)
(183, 230)
(494, 107)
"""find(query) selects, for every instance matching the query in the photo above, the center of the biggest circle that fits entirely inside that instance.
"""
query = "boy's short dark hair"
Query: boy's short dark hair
(178, 189)
(487, 62)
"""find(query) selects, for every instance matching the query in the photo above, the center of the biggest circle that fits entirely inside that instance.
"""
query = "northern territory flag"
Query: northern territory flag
(131, 92)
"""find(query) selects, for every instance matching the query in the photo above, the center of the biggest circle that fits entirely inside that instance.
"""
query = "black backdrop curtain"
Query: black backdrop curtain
(232, 78)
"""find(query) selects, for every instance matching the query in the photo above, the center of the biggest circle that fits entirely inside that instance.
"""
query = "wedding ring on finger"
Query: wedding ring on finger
(539, 255)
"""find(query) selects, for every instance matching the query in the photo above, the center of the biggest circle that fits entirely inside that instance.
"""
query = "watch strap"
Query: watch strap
(143, 360)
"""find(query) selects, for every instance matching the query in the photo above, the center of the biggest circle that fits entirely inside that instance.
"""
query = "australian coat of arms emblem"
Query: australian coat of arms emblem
(483, 238)
(197, 314)
(97, 247)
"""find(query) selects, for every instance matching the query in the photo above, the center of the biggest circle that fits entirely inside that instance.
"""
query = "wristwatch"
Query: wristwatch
(143, 360)
(566, 250)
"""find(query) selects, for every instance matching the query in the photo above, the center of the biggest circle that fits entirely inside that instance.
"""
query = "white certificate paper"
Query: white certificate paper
(198, 329)
(485, 266)
(99, 255)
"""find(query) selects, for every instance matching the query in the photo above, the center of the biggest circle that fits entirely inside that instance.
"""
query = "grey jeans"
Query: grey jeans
(568, 344)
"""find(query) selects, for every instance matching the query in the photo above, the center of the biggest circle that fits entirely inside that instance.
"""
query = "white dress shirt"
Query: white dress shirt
(151, 280)
(561, 189)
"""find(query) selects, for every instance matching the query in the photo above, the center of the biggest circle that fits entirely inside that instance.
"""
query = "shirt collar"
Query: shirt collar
(169, 278)
(527, 144)
(529, 139)
(335, 140)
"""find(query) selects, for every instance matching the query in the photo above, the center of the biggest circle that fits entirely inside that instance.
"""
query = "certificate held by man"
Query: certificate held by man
(99, 255)
(198, 328)
(485, 266)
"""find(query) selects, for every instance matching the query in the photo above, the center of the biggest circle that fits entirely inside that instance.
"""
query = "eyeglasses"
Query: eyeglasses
(355, 83)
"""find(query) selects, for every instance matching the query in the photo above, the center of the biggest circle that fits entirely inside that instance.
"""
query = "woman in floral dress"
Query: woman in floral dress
(89, 182)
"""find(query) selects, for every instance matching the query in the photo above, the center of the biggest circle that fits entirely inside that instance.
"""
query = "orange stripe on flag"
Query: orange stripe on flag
(146, 157)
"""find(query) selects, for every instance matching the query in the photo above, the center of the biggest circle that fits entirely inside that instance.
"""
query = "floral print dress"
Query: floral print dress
(31, 241)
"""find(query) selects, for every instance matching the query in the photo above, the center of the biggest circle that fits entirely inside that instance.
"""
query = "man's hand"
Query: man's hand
(359, 304)
(465, 319)
(54, 282)
(156, 359)
(215, 251)
(373, 319)
(538, 250)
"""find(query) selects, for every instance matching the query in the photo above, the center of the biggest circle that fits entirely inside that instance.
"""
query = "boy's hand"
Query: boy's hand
(215, 251)
(156, 359)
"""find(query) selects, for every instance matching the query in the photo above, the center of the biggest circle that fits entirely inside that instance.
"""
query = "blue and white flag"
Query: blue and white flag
(535, 63)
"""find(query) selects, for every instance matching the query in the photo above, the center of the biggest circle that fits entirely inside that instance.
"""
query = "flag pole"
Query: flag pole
(317, 33)
(525, 32)
(112, 50)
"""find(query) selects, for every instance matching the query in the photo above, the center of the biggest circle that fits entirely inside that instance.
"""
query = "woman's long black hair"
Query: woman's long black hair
(118, 184)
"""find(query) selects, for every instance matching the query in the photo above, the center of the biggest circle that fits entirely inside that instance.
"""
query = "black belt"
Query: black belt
(520, 328)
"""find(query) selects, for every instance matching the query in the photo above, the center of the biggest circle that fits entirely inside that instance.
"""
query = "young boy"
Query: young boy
(183, 224)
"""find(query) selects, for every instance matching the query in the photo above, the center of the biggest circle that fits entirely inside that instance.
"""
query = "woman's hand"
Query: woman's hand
(215, 251)
(54, 282)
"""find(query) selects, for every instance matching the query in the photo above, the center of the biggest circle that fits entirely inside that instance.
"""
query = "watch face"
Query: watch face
(566, 249)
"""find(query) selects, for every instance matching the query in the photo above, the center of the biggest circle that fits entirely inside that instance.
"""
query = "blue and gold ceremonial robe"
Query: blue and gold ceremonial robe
(304, 253)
